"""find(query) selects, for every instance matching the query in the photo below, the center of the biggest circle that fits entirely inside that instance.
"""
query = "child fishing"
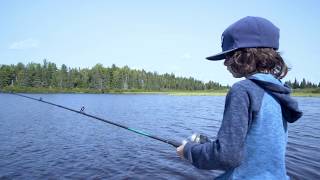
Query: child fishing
(251, 142)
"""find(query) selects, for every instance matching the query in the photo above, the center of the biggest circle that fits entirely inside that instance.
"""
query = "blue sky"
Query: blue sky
(163, 36)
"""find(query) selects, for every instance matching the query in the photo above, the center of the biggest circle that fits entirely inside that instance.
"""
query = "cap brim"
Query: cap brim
(220, 56)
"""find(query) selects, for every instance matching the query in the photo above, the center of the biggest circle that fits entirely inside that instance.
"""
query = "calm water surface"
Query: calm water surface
(39, 141)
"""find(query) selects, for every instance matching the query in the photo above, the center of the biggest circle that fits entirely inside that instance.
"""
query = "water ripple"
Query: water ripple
(39, 141)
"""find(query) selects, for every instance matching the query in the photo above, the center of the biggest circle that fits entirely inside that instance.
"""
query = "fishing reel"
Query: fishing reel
(196, 138)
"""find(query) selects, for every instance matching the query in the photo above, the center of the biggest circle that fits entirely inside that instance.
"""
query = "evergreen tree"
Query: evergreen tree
(98, 77)
(303, 83)
(295, 84)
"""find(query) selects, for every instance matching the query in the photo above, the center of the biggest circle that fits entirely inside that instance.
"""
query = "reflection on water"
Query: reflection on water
(40, 141)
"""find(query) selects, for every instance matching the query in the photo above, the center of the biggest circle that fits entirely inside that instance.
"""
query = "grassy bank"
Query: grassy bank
(310, 92)
(220, 92)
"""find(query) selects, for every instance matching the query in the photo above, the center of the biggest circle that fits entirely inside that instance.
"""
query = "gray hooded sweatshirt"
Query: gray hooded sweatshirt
(251, 142)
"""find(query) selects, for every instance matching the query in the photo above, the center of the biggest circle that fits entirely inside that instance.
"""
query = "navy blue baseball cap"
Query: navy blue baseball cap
(248, 32)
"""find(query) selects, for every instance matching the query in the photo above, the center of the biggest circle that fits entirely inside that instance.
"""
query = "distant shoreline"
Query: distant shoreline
(219, 92)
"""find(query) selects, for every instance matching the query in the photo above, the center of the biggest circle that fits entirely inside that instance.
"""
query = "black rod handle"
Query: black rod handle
(174, 143)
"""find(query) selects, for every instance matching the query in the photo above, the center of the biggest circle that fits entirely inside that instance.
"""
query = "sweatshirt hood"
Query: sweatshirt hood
(281, 93)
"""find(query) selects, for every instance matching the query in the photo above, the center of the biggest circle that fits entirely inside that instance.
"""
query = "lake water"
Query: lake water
(40, 141)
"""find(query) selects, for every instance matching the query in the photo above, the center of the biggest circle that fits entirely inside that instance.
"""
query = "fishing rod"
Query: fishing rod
(81, 111)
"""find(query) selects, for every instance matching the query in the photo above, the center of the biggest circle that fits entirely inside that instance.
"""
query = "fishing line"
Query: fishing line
(81, 111)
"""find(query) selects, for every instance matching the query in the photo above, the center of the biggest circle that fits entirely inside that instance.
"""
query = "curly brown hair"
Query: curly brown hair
(247, 61)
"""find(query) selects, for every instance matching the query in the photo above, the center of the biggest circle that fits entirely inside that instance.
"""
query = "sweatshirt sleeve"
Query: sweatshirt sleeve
(227, 150)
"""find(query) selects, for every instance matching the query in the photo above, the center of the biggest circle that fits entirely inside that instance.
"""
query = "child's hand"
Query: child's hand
(180, 151)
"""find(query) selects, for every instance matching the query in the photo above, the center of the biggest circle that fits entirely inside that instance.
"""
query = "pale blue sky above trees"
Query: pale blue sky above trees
(163, 36)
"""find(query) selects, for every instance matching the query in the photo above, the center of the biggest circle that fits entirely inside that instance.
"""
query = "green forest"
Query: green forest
(98, 78)
(47, 77)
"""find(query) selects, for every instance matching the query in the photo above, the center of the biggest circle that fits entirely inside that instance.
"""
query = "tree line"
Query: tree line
(302, 85)
(48, 75)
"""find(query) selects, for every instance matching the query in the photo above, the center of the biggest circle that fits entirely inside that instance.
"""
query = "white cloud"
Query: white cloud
(25, 44)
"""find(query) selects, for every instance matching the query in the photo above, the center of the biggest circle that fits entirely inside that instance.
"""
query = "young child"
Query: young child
(251, 142)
